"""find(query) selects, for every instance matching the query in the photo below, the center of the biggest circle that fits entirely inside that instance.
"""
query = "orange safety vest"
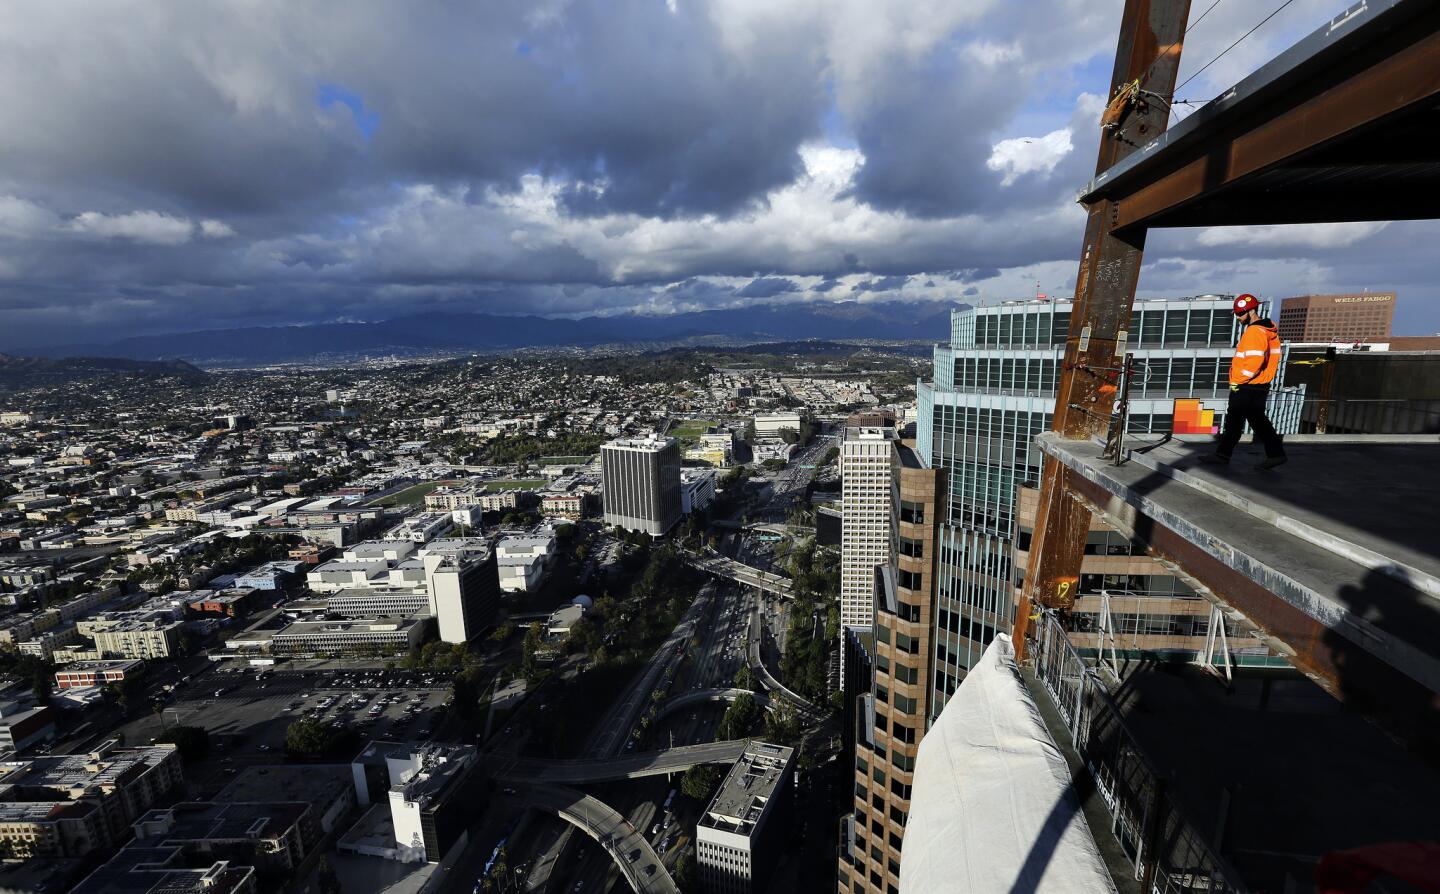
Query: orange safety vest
(1257, 356)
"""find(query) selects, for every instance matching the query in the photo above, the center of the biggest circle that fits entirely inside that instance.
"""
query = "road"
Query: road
(615, 834)
(630, 766)
(722, 566)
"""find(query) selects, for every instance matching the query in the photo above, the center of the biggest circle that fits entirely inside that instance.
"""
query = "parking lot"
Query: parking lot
(248, 710)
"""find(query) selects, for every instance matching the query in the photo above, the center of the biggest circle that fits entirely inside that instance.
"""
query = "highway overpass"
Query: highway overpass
(709, 696)
(596, 819)
(729, 569)
(610, 769)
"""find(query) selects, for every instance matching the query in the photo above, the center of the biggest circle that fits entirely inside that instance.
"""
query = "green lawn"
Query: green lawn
(563, 460)
(412, 496)
(516, 484)
(689, 431)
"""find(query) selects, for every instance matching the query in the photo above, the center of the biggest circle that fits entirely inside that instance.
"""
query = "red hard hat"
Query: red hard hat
(1245, 303)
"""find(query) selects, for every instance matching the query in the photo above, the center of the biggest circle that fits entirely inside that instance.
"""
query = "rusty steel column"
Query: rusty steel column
(1151, 38)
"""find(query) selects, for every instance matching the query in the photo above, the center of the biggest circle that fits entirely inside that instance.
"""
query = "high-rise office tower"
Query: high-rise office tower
(464, 593)
(641, 482)
(1337, 318)
(865, 480)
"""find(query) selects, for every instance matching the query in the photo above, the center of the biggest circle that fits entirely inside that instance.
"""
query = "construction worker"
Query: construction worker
(1252, 369)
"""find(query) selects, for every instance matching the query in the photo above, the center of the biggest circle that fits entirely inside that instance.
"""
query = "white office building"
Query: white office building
(522, 560)
(464, 593)
(865, 479)
(768, 425)
(741, 835)
(697, 490)
(641, 481)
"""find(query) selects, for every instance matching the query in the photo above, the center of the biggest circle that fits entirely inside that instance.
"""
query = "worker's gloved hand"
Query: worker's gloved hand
(1234, 387)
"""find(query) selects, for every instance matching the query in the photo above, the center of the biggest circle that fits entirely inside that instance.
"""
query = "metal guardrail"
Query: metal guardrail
(1165, 851)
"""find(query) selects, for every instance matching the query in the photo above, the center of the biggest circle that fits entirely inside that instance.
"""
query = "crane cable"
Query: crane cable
(1232, 46)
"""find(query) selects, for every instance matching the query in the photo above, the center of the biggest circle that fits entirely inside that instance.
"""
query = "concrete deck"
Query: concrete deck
(1336, 555)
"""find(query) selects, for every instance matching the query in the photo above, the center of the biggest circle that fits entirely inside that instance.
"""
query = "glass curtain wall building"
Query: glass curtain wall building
(994, 391)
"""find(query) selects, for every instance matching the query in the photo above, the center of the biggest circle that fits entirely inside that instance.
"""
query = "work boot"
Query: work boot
(1214, 459)
(1271, 462)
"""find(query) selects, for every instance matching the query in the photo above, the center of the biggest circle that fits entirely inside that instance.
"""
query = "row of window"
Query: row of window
(1191, 327)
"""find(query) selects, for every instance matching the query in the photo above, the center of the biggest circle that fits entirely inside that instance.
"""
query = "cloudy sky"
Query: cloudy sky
(168, 165)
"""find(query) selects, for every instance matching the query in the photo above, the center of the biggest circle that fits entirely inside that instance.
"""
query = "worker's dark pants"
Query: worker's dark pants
(1247, 404)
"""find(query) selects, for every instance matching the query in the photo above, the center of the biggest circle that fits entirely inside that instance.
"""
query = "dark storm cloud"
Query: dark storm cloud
(766, 287)
(170, 166)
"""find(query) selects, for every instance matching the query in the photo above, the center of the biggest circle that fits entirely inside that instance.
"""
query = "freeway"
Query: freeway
(609, 769)
(646, 873)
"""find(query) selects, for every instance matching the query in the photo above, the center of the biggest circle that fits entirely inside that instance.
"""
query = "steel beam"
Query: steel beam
(1392, 85)
(1151, 37)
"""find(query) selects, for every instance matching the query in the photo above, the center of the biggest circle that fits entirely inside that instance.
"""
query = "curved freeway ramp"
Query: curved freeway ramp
(610, 769)
(710, 696)
(766, 678)
(593, 817)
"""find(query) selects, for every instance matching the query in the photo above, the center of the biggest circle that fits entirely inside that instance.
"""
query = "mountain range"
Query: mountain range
(458, 332)
(24, 372)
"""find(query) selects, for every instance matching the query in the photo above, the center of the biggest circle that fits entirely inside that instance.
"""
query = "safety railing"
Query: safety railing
(1162, 846)
(1352, 415)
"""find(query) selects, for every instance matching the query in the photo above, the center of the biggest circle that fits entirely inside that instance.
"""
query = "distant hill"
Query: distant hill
(28, 371)
(421, 333)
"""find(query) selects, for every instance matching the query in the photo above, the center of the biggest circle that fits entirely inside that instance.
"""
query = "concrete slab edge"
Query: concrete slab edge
(1354, 552)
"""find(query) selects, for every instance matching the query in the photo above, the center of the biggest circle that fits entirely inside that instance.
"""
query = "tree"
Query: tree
(326, 879)
(745, 679)
(311, 738)
(503, 632)
(740, 718)
(700, 780)
(529, 664)
(788, 435)
(192, 741)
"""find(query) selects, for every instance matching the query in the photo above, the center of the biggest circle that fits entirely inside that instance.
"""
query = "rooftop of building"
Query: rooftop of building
(373, 624)
(740, 802)
(109, 664)
(645, 443)
(163, 870)
(869, 433)
(107, 765)
(318, 784)
(221, 821)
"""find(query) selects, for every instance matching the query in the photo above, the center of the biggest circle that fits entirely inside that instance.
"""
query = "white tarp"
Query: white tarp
(993, 808)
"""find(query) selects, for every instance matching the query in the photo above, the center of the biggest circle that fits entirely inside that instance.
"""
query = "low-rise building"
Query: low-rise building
(523, 560)
(77, 804)
(741, 835)
(98, 673)
(392, 635)
(365, 602)
(569, 505)
(270, 576)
